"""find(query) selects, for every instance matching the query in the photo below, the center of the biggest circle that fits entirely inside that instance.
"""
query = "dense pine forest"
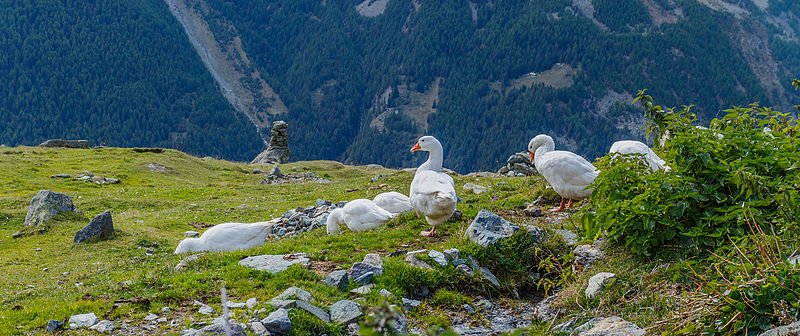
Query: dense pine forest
(117, 73)
(484, 77)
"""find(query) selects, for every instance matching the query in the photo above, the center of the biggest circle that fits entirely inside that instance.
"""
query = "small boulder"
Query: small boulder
(337, 279)
(363, 290)
(278, 322)
(345, 312)
(487, 274)
(410, 304)
(477, 189)
(452, 254)
(586, 255)
(487, 228)
(314, 310)
(276, 172)
(359, 269)
(613, 326)
(275, 263)
(596, 283)
(104, 326)
(411, 258)
(295, 293)
(438, 257)
(47, 204)
(82, 320)
(100, 227)
(54, 325)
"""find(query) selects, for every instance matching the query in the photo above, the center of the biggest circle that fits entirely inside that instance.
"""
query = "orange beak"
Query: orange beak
(531, 158)
(416, 147)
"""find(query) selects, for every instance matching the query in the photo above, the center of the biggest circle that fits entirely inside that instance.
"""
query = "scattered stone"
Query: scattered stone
(465, 269)
(373, 259)
(613, 326)
(570, 238)
(104, 326)
(543, 311)
(47, 204)
(487, 274)
(275, 263)
(251, 303)
(322, 202)
(259, 329)
(452, 254)
(204, 308)
(484, 304)
(191, 234)
(17, 235)
(150, 317)
(359, 271)
(410, 304)
(487, 228)
(438, 257)
(314, 310)
(533, 211)
(345, 312)
(411, 258)
(54, 325)
(278, 322)
(276, 172)
(295, 293)
(468, 308)
(235, 305)
(337, 279)
(363, 290)
(285, 304)
(61, 175)
(596, 283)
(65, 143)
(82, 320)
(518, 165)
(100, 227)
(586, 255)
(477, 189)
(278, 150)
(386, 293)
(218, 328)
(364, 278)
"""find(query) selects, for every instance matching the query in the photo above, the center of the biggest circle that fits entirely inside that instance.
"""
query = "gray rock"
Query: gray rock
(410, 304)
(543, 311)
(295, 293)
(613, 326)
(278, 149)
(484, 304)
(278, 322)
(251, 303)
(65, 143)
(337, 279)
(487, 274)
(205, 309)
(258, 171)
(400, 324)
(54, 325)
(411, 258)
(487, 228)
(191, 234)
(363, 290)
(104, 326)
(47, 204)
(276, 172)
(100, 227)
(438, 257)
(465, 269)
(570, 238)
(386, 293)
(275, 263)
(360, 268)
(787, 330)
(793, 260)
(477, 189)
(259, 329)
(322, 202)
(235, 305)
(150, 317)
(373, 259)
(364, 278)
(596, 283)
(452, 254)
(61, 175)
(285, 304)
(314, 310)
(586, 326)
(218, 328)
(82, 320)
(345, 311)
(586, 256)
(468, 308)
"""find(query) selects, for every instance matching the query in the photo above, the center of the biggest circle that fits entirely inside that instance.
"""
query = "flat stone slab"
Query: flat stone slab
(314, 310)
(346, 311)
(613, 326)
(275, 263)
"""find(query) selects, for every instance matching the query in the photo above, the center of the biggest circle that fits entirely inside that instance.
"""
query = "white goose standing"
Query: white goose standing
(359, 215)
(432, 192)
(228, 237)
(636, 147)
(568, 173)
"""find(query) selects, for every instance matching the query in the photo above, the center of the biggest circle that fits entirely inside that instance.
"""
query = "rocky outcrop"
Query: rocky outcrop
(47, 204)
(65, 143)
(518, 165)
(278, 149)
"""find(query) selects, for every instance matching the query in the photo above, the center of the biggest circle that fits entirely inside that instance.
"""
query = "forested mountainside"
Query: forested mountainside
(360, 81)
(119, 73)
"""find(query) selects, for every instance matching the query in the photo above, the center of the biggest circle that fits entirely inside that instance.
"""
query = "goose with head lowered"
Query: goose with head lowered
(636, 147)
(358, 215)
(568, 173)
(432, 192)
(393, 202)
(227, 237)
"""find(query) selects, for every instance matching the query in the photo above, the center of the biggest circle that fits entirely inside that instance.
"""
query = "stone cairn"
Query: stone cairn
(304, 219)
(518, 165)
(278, 150)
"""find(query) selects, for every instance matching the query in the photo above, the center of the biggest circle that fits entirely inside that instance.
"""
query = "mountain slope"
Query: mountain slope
(113, 72)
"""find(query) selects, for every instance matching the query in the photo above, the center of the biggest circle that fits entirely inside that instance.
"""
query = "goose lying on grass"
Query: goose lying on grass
(635, 147)
(568, 173)
(432, 193)
(393, 202)
(227, 237)
(358, 215)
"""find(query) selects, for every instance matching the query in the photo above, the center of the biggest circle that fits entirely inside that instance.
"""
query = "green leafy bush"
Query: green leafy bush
(746, 158)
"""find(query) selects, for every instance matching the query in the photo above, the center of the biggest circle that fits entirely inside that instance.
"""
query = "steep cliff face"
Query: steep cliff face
(220, 48)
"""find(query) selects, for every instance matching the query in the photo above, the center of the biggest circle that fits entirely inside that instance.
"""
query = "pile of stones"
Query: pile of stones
(304, 219)
(278, 149)
(275, 176)
(518, 165)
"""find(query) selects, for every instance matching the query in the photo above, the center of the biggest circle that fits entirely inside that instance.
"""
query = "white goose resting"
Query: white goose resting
(432, 193)
(358, 215)
(635, 147)
(568, 173)
(393, 202)
(227, 237)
